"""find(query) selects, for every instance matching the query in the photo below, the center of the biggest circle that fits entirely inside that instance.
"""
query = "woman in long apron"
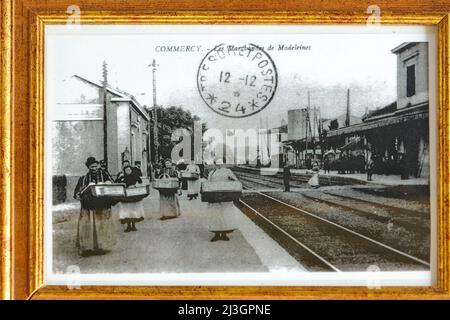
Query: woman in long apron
(193, 186)
(168, 199)
(130, 212)
(219, 223)
(95, 231)
(314, 181)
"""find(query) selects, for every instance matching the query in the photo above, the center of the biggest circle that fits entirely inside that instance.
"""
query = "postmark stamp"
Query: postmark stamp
(237, 81)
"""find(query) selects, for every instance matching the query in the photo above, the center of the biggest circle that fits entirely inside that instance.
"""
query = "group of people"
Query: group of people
(95, 226)
(350, 164)
(169, 203)
(95, 230)
(395, 163)
(347, 164)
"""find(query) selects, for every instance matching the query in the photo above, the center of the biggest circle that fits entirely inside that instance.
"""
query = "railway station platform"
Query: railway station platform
(333, 178)
(178, 245)
(377, 179)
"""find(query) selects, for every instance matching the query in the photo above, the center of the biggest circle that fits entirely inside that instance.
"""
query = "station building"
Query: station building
(302, 143)
(399, 131)
(81, 128)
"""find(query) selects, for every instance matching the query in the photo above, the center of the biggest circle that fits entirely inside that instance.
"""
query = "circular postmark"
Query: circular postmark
(237, 81)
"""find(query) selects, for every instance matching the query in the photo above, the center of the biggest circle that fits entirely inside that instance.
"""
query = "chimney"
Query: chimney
(347, 115)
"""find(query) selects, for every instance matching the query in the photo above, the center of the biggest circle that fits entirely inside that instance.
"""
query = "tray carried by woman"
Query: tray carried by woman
(165, 182)
(221, 191)
(135, 194)
(102, 190)
(187, 175)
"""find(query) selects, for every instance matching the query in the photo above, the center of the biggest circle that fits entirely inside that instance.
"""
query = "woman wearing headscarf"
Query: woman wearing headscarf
(130, 212)
(168, 198)
(219, 223)
(95, 232)
(193, 186)
(181, 166)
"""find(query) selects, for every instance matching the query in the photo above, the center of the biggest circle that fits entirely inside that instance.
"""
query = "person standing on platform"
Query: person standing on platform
(150, 167)
(168, 199)
(130, 212)
(125, 163)
(193, 186)
(157, 169)
(104, 167)
(369, 168)
(181, 166)
(340, 164)
(314, 181)
(95, 231)
(201, 166)
(344, 164)
(287, 178)
(403, 166)
(137, 168)
(219, 223)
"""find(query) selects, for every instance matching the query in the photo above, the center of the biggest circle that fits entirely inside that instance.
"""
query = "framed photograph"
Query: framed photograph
(161, 152)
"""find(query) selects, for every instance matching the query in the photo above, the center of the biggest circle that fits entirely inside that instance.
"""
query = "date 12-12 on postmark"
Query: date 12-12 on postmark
(237, 81)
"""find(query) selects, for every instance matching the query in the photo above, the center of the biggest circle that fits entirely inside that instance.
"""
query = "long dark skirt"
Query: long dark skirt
(95, 230)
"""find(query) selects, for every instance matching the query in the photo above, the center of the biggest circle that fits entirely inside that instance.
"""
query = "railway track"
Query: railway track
(353, 206)
(400, 215)
(397, 210)
(277, 177)
(371, 219)
(255, 181)
(320, 244)
(297, 180)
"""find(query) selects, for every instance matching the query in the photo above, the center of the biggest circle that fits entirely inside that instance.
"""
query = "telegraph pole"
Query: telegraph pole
(314, 132)
(155, 113)
(258, 149)
(308, 125)
(105, 103)
(347, 114)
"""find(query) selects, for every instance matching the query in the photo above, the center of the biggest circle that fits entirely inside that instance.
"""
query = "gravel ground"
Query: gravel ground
(415, 198)
(342, 249)
(396, 216)
(414, 242)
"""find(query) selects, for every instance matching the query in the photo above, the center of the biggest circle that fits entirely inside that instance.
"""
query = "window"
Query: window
(410, 81)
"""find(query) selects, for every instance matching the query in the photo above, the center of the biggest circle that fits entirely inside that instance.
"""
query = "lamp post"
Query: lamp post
(155, 113)
(105, 111)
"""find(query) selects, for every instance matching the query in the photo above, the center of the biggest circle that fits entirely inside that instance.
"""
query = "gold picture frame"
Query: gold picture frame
(22, 134)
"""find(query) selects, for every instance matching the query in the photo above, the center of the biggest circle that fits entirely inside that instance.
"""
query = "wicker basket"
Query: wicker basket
(166, 183)
(136, 194)
(189, 175)
(112, 191)
(222, 191)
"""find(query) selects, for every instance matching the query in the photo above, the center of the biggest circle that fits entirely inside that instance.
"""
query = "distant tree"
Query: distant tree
(334, 124)
(170, 119)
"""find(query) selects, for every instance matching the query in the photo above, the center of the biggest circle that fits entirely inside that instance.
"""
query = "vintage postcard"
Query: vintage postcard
(240, 155)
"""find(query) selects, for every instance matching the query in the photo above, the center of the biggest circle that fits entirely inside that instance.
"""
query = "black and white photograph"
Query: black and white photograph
(240, 155)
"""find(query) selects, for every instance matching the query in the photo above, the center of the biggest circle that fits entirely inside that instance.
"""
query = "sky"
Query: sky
(342, 58)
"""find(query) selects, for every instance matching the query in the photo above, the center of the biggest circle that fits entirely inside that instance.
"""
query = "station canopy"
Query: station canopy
(418, 112)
